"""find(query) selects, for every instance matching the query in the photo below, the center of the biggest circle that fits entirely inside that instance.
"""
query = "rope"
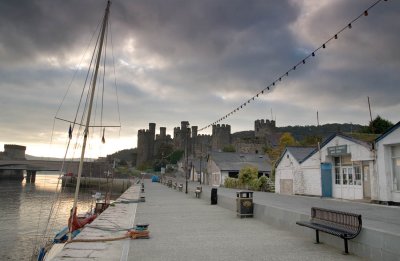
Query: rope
(133, 234)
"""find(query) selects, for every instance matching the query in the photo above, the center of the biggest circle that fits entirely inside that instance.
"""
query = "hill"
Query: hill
(301, 132)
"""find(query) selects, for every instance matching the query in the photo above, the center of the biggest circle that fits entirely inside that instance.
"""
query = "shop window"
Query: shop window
(357, 175)
(337, 175)
(396, 167)
(350, 175)
(344, 174)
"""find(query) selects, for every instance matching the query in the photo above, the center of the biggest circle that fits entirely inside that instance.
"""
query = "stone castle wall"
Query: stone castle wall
(149, 143)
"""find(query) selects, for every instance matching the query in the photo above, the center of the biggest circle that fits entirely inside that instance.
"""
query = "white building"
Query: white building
(221, 165)
(288, 170)
(388, 166)
(341, 168)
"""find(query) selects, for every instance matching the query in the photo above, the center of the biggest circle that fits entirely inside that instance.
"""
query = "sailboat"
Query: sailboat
(75, 223)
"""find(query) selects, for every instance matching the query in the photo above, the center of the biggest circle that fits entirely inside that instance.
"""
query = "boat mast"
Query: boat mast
(86, 131)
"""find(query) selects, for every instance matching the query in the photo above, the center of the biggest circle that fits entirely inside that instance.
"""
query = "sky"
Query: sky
(183, 60)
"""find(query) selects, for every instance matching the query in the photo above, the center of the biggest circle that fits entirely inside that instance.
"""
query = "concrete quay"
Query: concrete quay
(183, 227)
(114, 222)
(378, 240)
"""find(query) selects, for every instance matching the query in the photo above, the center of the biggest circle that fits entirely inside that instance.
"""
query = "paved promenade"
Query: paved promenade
(185, 228)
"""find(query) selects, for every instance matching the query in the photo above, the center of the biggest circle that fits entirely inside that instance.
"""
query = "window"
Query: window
(337, 175)
(233, 174)
(357, 175)
(350, 175)
(396, 167)
(344, 172)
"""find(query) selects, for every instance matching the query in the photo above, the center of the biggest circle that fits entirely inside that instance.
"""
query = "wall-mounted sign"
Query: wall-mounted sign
(337, 150)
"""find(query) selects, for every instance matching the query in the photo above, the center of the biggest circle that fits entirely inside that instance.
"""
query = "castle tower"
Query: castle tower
(163, 133)
(14, 152)
(221, 136)
(194, 140)
(145, 144)
(264, 128)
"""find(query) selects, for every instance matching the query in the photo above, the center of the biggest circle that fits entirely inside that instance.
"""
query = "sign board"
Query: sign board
(337, 150)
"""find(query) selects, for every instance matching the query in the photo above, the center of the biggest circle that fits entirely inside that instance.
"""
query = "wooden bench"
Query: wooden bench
(341, 224)
(180, 187)
(198, 191)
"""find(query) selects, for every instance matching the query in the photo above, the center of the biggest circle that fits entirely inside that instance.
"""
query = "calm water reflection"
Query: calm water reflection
(24, 210)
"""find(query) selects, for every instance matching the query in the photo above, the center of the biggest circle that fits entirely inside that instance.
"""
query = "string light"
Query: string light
(302, 61)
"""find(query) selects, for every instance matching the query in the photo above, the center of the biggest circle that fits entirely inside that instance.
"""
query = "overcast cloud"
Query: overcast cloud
(190, 60)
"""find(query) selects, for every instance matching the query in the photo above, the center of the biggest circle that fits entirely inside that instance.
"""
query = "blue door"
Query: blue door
(326, 179)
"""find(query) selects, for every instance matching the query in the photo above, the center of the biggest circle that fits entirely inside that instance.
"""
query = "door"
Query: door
(326, 179)
(367, 182)
(351, 182)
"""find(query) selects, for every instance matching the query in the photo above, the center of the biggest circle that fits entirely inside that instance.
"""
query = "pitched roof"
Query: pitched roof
(298, 152)
(390, 130)
(327, 140)
(301, 155)
(236, 161)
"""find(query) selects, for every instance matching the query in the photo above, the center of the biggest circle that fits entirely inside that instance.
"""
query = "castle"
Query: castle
(151, 146)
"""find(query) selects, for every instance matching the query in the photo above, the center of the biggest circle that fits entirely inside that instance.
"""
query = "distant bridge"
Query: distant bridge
(13, 169)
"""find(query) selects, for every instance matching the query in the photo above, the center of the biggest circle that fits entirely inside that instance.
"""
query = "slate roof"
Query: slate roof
(298, 152)
(196, 164)
(229, 161)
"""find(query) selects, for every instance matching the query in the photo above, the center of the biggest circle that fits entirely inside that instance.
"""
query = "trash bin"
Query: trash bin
(214, 196)
(244, 203)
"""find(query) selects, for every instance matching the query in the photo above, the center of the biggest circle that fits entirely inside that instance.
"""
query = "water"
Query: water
(24, 210)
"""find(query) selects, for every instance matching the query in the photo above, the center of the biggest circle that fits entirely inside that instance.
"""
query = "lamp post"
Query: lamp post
(201, 158)
(187, 157)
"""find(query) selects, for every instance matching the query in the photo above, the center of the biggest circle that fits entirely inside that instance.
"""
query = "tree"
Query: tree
(379, 125)
(287, 140)
(175, 156)
(311, 140)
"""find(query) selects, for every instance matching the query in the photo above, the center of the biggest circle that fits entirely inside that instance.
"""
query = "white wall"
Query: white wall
(384, 190)
(285, 170)
(311, 177)
(214, 173)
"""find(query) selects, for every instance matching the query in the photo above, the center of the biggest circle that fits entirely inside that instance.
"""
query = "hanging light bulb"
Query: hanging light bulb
(103, 140)
(70, 132)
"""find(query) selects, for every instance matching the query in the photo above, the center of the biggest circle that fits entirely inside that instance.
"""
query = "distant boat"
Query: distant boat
(77, 222)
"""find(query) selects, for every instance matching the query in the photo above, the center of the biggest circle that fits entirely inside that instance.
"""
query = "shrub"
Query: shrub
(255, 184)
(247, 174)
(231, 183)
